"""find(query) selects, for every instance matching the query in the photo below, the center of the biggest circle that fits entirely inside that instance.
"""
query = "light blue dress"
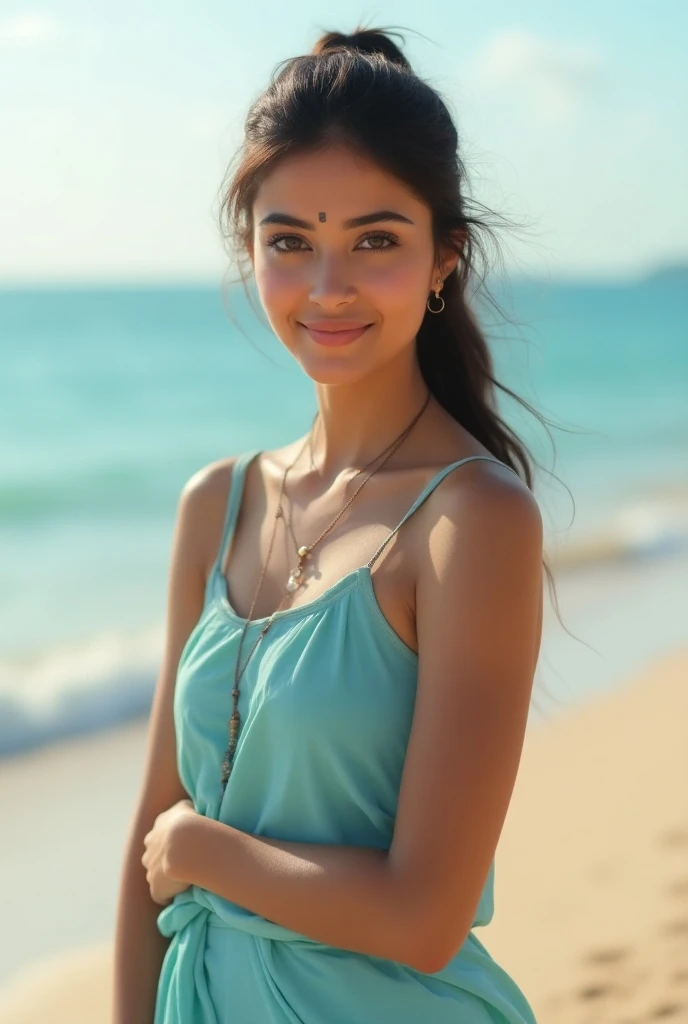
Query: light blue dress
(326, 706)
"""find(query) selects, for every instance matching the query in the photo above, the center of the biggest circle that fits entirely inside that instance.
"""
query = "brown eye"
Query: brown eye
(380, 236)
(274, 239)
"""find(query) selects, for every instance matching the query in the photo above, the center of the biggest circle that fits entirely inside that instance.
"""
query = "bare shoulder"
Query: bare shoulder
(477, 487)
(203, 501)
(209, 480)
(482, 506)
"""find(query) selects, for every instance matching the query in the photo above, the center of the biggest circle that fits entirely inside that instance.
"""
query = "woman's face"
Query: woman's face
(321, 275)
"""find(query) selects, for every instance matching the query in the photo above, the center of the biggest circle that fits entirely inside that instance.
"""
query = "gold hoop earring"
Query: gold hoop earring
(437, 296)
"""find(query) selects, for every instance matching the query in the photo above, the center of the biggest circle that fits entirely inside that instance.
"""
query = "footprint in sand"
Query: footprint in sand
(606, 956)
(606, 963)
(614, 975)
(590, 992)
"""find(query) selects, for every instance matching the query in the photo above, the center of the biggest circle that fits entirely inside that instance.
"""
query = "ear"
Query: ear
(448, 258)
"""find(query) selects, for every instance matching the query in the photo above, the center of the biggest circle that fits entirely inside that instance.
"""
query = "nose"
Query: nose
(331, 286)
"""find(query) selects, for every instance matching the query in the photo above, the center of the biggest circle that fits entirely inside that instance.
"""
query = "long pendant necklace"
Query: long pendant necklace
(303, 551)
(295, 576)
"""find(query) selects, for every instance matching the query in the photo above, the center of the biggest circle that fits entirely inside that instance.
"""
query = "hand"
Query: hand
(156, 859)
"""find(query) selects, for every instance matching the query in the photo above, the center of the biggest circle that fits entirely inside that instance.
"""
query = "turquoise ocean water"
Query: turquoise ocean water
(111, 398)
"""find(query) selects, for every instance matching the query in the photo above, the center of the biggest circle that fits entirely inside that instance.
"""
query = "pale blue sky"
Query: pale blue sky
(118, 120)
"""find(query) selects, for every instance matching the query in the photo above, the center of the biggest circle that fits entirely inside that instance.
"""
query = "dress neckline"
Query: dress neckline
(343, 583)
(359, 578)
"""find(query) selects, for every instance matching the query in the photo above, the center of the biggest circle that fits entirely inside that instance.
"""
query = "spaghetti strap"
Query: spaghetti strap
(427, 490)
(236, 489)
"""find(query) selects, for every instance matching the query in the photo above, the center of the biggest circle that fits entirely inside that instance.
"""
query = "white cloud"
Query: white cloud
(556, 77)
(28, 30)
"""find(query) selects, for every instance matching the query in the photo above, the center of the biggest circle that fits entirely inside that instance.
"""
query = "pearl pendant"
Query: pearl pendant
(295, 574)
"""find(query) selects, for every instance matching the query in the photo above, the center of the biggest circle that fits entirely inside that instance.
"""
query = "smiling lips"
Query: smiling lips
(335, 332)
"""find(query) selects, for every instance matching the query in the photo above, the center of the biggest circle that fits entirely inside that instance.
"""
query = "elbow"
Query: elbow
(434, 942)
(430, 957)
(429, 929)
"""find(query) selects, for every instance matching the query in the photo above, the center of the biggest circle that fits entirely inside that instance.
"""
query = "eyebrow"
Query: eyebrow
(354, 222)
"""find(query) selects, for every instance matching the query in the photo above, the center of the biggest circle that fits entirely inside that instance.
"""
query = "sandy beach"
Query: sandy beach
(591, 887)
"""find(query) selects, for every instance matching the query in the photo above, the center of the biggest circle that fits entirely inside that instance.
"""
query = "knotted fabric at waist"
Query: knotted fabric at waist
(183, 994)
(184, 997)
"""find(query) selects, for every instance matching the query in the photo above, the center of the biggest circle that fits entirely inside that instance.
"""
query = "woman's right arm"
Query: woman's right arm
(139, 946)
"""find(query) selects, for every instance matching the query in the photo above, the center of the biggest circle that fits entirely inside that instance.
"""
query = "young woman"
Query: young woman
(354, 618)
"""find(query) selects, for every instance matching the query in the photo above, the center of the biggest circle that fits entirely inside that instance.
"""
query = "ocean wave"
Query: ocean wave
(78, 690)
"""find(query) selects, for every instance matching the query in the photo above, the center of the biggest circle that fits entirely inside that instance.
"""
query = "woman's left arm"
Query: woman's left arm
(479, 620)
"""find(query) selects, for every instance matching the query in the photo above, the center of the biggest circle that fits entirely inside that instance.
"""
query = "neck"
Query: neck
(355, 423)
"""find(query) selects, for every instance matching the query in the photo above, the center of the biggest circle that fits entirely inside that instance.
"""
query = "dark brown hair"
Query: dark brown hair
(361, 90)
